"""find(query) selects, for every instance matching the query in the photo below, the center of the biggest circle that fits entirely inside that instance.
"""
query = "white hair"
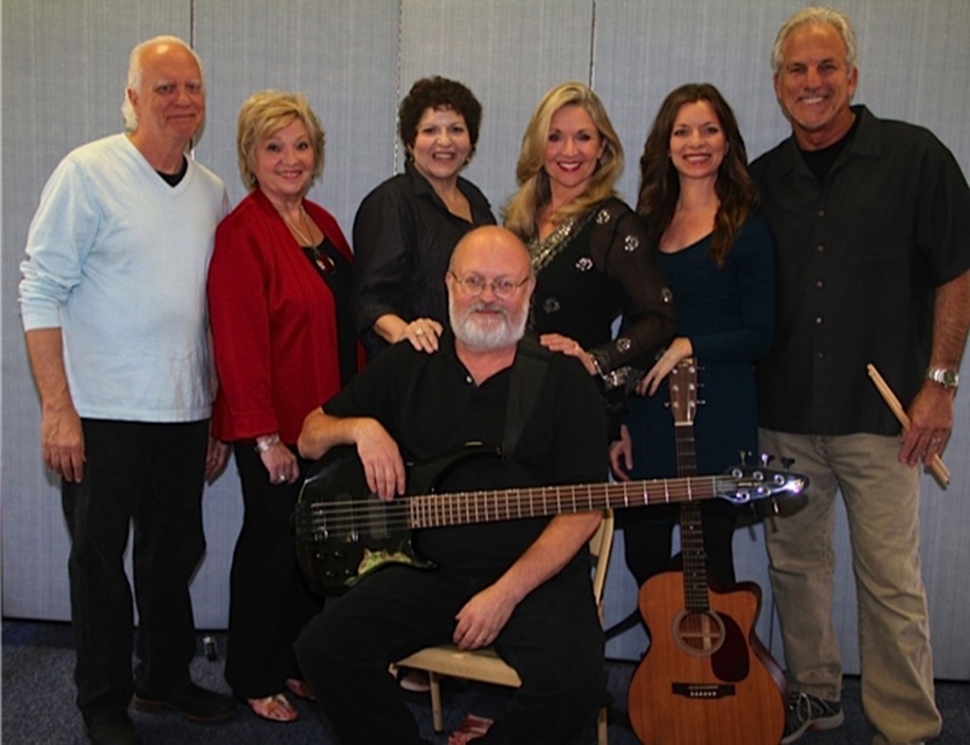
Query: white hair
(134, 74)
(816, 14)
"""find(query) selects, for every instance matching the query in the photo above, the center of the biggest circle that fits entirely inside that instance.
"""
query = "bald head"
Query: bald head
(490, 284)
(499, 248)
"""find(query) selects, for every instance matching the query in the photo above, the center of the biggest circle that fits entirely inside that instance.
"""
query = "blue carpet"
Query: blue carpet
(38, 703)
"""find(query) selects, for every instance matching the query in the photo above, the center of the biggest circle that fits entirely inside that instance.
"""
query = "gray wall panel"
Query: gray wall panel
(509, 53)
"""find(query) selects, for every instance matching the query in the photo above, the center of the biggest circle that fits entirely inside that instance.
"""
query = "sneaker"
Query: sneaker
(193, 702)
(806, 712)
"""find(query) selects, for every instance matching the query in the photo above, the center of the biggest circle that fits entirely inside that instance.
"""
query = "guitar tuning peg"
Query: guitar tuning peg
(701, 402)
(766, 458)
(744, 455)
(787, 463)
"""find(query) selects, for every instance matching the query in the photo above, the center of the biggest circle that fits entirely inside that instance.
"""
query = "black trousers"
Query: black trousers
(647, 542)
(269, 602)
(553, 639)
(150, 476)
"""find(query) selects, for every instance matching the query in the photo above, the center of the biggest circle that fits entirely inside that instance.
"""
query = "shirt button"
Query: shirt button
(819, 283)
(469, 379)
(821, 213)
(820, 355)
(818, 320)
(820, 248)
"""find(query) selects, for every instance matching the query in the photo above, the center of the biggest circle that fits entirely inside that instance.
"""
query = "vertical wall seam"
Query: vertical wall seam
(592, 44)
(397, 74)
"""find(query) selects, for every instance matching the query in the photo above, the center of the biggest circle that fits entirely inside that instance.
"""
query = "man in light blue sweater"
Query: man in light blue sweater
(114, 312)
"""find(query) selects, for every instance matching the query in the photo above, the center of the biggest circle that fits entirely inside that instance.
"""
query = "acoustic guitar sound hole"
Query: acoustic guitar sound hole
(700, 633)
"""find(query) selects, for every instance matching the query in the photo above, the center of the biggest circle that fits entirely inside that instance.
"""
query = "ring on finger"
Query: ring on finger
(419, 332)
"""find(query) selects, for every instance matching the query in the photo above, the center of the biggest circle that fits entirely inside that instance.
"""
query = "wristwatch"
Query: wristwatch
(946, 377)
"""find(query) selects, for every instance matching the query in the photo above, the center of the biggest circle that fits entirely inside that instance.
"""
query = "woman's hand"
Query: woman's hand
(621, 455)
(680, 348)
(423, 334)
(570, 347)
(279, 461)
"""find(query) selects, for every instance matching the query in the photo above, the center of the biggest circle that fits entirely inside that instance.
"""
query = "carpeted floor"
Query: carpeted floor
(38, 703)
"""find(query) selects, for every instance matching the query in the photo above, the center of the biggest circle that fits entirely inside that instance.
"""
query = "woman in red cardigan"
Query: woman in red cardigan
(280, 301)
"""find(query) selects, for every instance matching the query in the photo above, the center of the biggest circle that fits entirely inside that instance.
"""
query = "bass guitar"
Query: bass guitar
(344, 532)
(706, 677)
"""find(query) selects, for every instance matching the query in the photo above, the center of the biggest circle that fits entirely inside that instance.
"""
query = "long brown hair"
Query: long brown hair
(660, 182)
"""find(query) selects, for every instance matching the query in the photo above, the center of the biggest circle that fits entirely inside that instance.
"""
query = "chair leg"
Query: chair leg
(602, 728)
(436, 718)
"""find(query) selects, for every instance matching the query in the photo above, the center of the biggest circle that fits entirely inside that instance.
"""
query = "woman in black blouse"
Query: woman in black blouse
(589, 249)
(406, 228)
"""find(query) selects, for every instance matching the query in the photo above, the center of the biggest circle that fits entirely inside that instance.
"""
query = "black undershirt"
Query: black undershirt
(173, 179)
(336, 272)
(820, 162)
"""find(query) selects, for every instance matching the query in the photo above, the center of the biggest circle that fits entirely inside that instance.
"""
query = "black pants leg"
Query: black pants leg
(553, 639)
(121, 484)
(269, 602)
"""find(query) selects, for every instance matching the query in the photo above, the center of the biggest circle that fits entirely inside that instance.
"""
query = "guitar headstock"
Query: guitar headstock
(682, 382)
(743, 484)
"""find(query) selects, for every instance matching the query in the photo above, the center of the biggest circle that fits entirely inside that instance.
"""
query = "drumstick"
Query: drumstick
(938, 468)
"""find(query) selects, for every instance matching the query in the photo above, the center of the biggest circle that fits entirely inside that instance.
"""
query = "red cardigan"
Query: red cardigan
(273, 323)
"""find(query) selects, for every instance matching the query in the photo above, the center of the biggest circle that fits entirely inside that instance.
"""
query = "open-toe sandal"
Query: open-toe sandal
(275, 708)
(300, 689)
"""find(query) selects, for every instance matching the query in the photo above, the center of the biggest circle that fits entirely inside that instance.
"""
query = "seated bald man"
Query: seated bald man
(522, 586)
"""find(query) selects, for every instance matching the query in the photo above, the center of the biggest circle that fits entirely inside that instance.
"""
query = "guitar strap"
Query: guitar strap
(528, 374)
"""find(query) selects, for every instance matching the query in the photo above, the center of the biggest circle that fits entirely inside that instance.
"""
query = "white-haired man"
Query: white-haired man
(113, 305)
(871, 220)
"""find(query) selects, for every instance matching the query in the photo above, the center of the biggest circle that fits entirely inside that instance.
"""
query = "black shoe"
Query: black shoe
(116, 730)
(193, 702)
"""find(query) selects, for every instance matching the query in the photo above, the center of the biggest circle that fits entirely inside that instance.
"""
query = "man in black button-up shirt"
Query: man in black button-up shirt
(871, 220)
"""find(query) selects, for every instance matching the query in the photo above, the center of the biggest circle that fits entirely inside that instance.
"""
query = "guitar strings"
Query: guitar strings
(468, 507)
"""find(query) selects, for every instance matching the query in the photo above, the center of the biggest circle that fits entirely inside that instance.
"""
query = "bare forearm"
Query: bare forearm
(951, 321)
(321, 432)
(46, 354)
(550, 552)
(390, 327)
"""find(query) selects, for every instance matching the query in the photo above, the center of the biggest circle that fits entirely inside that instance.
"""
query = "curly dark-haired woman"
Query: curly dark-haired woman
(406, 228)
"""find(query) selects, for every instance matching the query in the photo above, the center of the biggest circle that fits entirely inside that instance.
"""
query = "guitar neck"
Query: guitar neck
(441, 510)
(692, 552)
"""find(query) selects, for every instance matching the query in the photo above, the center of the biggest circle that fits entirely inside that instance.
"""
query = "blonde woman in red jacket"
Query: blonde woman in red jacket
(280, 301)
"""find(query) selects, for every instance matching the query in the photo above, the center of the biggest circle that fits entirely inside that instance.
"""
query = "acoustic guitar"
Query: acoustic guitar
(706, 677)
(344, 532)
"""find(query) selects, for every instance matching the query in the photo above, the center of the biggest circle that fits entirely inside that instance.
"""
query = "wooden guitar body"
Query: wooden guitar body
(706, 679)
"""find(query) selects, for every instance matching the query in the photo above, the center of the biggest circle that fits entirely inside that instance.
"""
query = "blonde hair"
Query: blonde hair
(534, 190)
(265, 113)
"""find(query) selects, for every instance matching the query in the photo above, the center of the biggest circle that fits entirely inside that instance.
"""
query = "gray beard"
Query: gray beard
(485, 337)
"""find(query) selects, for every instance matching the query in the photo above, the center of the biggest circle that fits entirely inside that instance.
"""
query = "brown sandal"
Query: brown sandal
(300, 689)
(275, 708)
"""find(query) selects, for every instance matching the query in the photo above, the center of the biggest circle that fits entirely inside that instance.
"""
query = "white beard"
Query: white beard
(485, 335)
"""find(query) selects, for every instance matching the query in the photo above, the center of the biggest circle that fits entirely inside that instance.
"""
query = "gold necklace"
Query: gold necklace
(306, 241)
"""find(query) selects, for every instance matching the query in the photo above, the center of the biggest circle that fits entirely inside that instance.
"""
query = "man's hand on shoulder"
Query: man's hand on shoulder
(931, 419)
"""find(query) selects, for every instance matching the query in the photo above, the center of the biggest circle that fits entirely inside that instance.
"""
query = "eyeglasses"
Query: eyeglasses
(474, 285)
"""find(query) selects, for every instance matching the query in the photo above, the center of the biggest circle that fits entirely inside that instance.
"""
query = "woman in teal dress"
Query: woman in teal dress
(698, 204)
